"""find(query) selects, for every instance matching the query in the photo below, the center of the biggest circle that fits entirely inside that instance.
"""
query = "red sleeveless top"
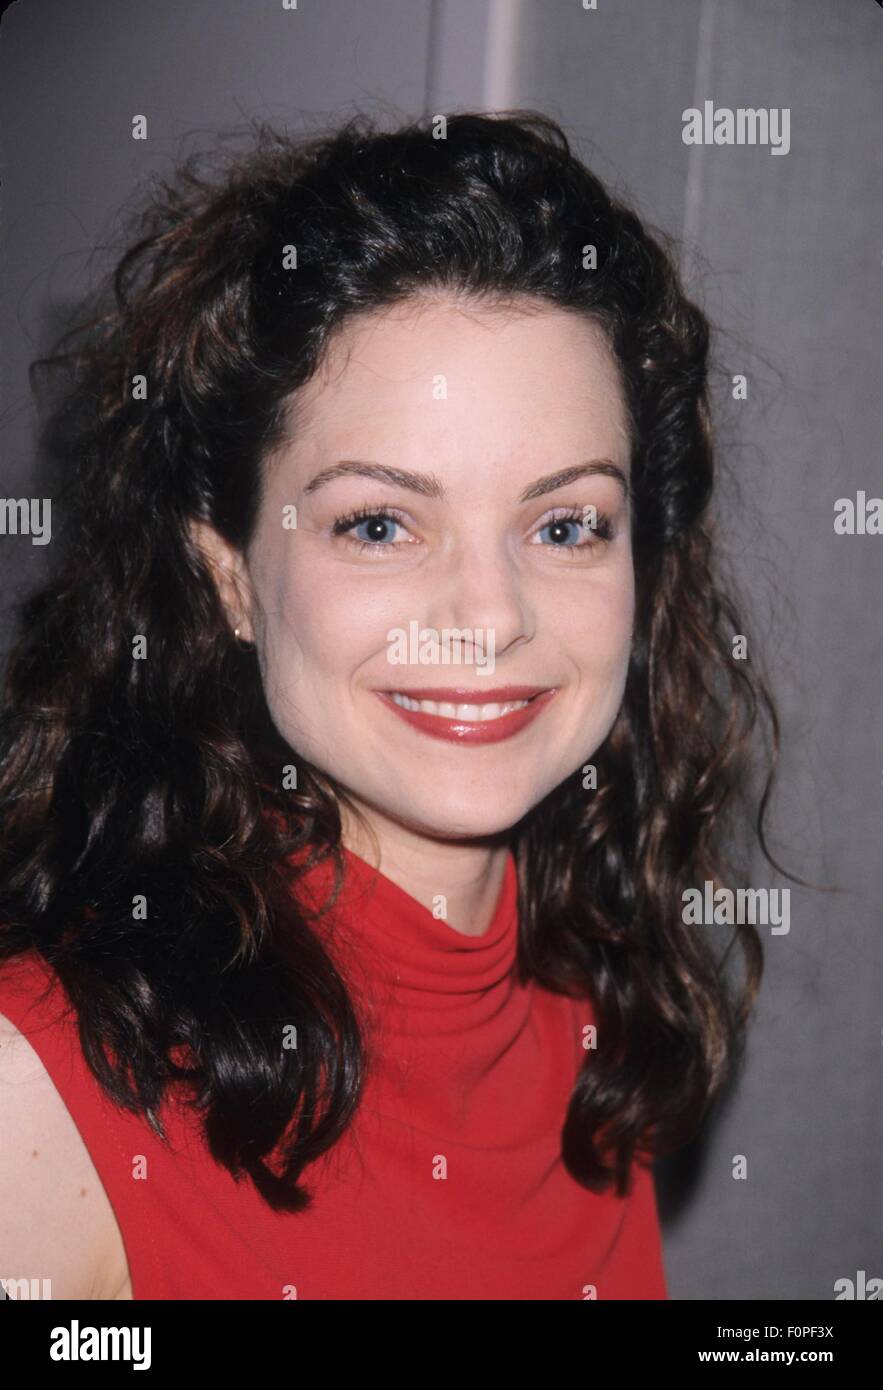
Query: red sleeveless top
(449, 1182)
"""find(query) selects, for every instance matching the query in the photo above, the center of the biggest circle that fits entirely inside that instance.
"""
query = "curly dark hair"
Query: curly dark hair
(163, 777)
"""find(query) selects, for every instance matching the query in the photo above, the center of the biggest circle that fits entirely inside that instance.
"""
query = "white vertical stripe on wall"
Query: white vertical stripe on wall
(474, 50)
(504, 37)
(701, 90)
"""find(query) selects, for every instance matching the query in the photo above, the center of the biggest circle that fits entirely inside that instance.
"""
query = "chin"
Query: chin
(459, 817)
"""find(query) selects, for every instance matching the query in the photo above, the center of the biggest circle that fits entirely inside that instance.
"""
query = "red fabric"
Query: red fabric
(470, 1078)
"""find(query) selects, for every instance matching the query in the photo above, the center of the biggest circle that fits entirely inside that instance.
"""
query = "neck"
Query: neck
(466, 875)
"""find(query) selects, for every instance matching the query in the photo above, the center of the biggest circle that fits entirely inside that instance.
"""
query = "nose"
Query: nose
(481, 588)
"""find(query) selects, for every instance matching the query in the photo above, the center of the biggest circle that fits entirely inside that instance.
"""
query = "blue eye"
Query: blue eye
(571, 531)
(565, 532)
(377, 529)
(369, 528)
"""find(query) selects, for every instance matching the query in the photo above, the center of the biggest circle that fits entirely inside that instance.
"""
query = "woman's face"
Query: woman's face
(466, 576)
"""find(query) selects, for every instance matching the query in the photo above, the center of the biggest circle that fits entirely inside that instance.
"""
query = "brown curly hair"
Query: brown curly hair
(121, 777)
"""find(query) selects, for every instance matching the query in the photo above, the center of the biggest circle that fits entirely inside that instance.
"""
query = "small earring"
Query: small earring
(246, 646)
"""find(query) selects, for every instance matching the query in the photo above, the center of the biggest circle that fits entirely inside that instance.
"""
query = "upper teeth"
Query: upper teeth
(468, 713)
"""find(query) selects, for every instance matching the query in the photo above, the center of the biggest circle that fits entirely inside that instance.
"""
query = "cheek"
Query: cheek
(619, 618)
(593, 623)
(314, 624)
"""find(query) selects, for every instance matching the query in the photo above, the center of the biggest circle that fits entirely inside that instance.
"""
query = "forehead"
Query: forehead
(515, 373)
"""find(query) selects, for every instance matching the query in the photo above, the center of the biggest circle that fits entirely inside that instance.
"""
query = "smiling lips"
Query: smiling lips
(458, 715)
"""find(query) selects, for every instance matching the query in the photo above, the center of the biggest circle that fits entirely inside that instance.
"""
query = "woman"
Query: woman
(331, 971)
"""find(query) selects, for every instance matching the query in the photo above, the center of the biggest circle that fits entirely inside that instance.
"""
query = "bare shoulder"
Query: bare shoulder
(55, 1218)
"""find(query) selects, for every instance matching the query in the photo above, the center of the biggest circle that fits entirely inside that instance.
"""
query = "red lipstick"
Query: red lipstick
(455, 730)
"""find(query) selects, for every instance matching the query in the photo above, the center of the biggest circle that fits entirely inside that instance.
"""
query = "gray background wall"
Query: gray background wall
(786, 255)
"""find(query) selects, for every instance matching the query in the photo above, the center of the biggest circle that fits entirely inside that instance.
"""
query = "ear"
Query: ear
(230, 574)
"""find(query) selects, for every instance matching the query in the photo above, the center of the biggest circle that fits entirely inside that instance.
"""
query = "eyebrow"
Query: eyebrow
(428, 485)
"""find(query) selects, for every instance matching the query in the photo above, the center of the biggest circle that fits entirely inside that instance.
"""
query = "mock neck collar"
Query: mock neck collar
(407, 944)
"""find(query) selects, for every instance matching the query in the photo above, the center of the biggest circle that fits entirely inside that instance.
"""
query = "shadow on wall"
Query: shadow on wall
(48, 470)
(679, 1175)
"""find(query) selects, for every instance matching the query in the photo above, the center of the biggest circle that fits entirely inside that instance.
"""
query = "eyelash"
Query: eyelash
(346, 523)
(603, 531)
